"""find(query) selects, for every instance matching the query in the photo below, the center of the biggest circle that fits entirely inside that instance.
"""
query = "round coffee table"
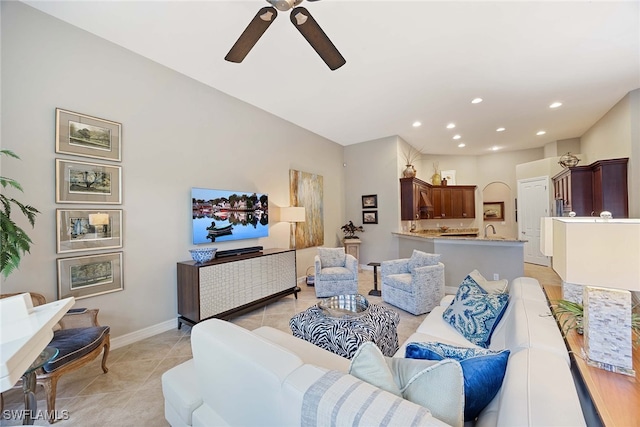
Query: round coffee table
(343, 334)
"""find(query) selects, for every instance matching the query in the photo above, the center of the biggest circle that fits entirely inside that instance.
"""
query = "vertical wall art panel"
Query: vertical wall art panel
(306, 189)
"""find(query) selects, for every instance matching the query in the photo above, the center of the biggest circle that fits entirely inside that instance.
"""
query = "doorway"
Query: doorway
(533, 205)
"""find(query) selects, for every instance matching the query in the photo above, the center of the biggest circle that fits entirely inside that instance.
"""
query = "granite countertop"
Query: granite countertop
(471, 234)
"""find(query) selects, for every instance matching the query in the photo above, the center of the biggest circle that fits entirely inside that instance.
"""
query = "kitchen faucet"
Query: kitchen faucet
(487, 227)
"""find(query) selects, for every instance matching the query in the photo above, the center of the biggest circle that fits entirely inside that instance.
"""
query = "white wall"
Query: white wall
(373, 168)
(177, 133)
(617, 135)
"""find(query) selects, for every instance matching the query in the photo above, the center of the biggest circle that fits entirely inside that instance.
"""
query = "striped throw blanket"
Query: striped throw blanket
(338, 399)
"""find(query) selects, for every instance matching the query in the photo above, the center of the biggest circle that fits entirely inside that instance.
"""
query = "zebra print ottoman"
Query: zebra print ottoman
(343, 336)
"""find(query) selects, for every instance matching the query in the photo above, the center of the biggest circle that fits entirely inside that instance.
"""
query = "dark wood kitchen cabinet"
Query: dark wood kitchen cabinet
(454, 201)
(415, 199)
(589, 190)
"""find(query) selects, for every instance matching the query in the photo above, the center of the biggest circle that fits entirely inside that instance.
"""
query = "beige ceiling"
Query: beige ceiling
(406, 61)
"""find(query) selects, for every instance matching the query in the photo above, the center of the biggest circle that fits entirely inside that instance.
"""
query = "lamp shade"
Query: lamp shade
(597, 252)
(292, 214)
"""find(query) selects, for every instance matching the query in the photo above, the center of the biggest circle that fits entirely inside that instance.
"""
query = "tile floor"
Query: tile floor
(130, 394)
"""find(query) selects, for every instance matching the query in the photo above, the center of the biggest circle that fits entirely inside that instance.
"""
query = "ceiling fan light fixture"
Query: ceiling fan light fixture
(284, 5)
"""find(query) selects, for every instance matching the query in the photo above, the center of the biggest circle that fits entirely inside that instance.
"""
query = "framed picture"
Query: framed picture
(91, 275)
(370, 201)
(493, 211)
(85, 230)
(369, 217)
(81, 182)
(450, 176)
(87, 136)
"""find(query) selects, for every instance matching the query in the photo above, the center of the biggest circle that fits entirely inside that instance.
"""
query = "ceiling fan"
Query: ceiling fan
(300, 18)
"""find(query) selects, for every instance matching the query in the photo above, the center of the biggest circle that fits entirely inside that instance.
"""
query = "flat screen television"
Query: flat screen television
(223, 215)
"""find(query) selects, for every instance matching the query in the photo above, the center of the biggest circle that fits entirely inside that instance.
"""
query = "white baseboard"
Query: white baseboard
(141, 334)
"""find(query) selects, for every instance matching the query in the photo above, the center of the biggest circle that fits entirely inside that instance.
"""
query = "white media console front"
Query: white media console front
(229, 286)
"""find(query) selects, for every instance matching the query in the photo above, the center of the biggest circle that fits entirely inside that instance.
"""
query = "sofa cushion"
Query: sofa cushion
(332, 257)
(538, 390)
(74, 343)
(483, 371)
(340, 399)
(420, 259)
(474, 313)
(491, 286)
(436, 385)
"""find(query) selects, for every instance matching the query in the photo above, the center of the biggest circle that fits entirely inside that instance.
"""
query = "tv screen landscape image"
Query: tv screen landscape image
(223, 215)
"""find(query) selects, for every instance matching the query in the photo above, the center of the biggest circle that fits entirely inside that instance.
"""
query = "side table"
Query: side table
(375, 291)
(29, 383)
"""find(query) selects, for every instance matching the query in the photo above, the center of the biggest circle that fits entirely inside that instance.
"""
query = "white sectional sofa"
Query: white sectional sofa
(266, 377)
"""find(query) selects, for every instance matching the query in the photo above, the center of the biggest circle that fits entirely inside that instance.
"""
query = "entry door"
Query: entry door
(533, 204)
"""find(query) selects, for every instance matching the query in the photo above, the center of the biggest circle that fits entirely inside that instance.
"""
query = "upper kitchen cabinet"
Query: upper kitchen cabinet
(415, 199)
(589, 190)
(454, 201)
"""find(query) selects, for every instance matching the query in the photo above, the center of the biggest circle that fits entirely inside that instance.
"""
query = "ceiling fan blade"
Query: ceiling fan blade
(309, 28)
(252, 34)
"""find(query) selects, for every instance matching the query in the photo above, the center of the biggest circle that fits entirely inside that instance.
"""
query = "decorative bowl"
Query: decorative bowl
(443, 228)
(344, 306)
(201, 255)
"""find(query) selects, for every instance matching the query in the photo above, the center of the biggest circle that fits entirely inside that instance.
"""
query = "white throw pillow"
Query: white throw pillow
(491, 286)
(435, 385)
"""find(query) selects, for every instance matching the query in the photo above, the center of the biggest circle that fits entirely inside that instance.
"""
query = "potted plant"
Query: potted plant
(14, 241)
(350, 230)
(570, 315)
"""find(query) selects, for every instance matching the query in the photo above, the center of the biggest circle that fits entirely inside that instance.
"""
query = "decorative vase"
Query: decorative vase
(409, 172)
(435, 179)
(444, 182)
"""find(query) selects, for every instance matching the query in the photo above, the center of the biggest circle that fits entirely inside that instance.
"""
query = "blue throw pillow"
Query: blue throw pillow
(475, 313)
(483, 371)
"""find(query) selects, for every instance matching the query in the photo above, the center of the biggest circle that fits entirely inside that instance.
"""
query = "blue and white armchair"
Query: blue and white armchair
(336, 272)
(413, 284)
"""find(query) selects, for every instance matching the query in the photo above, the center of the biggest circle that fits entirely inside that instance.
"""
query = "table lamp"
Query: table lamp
(603, 257)
(292, 215)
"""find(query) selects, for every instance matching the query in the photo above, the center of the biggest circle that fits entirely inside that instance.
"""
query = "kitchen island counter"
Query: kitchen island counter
(501, 256)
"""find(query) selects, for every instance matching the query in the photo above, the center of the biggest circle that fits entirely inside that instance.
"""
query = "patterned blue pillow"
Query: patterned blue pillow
(475, 313)
(483, 371)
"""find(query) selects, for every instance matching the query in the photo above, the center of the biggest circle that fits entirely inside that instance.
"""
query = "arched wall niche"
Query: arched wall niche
(496, 192)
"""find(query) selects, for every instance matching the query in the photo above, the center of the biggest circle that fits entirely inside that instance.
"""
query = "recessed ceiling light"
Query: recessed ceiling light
(495, 148)
(500, 130)
(451, 125)
(416, 124)
(555, 104)
(541, 132)
(462, 145)
(476, 100)
(456, 137)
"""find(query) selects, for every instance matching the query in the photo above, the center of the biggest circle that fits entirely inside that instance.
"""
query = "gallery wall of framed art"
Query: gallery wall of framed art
(80, 182)
(369, 201)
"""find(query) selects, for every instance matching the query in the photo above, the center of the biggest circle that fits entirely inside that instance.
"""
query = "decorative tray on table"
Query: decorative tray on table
(344, 306)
